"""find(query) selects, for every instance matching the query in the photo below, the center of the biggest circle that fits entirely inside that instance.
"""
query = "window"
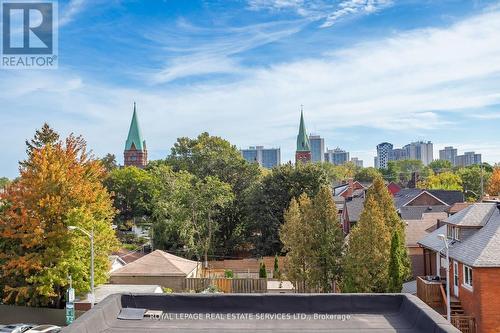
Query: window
(456, 234)
(468, 276)
(449, 230)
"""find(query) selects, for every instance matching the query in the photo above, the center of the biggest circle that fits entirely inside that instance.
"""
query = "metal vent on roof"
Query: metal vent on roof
(131, 314)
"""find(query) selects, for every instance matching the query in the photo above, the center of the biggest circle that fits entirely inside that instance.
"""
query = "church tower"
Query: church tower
(303, 152)
(135, 153)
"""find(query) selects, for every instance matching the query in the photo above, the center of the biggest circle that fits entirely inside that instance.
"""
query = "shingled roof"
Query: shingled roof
(158, 263)
(482, 247)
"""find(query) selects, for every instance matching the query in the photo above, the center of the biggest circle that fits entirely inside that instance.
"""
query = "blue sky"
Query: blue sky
(366, 71)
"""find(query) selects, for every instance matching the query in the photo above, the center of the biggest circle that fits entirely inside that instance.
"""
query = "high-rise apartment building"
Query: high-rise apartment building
(317, 148)
(467, 159)
(448, 154)
(383, 151)
(337, 156)
(422, 151)
(267, 158)
(357, 162)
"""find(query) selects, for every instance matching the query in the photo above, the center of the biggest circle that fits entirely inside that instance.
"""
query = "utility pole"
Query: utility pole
(482, 184)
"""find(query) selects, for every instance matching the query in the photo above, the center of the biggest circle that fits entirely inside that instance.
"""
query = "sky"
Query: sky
(365, 71)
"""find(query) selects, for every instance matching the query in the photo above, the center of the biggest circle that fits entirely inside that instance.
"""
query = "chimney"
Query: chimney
(350, 188)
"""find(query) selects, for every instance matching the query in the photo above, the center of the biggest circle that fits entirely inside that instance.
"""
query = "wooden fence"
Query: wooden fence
(466, 324)
(228, 285)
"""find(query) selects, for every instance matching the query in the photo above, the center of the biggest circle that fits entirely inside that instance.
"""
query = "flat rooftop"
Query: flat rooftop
(196, 313)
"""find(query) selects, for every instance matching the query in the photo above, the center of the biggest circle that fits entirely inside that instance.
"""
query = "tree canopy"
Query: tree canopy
(60, 185)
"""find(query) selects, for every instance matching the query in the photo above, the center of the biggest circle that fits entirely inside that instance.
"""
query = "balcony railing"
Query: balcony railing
(429, 291)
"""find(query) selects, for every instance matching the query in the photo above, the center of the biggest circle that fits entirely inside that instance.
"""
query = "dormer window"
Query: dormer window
(453, 232)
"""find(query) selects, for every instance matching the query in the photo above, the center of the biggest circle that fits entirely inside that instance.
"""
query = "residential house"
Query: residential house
(473, 235)
(421, 210)
(159, 268)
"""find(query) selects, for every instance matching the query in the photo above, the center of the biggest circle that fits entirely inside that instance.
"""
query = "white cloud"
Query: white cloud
(401, 83)
(218, 49)
(327, 10)
(70, 11)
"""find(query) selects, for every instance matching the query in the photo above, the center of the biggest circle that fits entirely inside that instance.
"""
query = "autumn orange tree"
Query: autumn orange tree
(59, 185)
(494, 187)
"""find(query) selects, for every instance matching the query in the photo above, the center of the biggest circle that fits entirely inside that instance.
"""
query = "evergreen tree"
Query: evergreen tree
(44, 136)
(262, 271)
(276, 271)
(395, 266)
(392, 220)
(366, 262)
(327, 241)
(297, 238)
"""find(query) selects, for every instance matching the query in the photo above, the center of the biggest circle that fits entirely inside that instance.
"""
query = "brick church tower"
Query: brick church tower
(135, 153)
(303, 152)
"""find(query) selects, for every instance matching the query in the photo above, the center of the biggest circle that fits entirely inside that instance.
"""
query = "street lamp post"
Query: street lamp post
(448, 310)
(91, 236)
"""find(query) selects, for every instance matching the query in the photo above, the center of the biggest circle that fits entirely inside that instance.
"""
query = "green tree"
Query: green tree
(109, 162)
(338, 173)
(313, 240)
(327, 243)
(262, 270)
(367, 174)
(402, 171)
(384, 200)
(44, 136)
(296, 235)
(396, 266)
(168, 211)
(213, 156)
(366, 261)
(60, 185)
(440, 165)
(471, 181)
(132, 191)
(184, 208)
(4, 181)
(268, 199)
(445, 180)
(276, 270)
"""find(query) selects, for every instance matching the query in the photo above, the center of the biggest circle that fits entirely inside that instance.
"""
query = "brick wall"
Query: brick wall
(487, 283)
(483, 301)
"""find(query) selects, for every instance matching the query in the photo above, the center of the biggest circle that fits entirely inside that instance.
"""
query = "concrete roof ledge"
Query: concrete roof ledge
(367, 312)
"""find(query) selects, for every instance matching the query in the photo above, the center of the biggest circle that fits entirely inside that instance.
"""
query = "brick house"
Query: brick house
(473, 235)
(421, 210)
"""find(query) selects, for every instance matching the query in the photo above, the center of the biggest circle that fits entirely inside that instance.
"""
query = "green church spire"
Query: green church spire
(134, 138)
(302, 139)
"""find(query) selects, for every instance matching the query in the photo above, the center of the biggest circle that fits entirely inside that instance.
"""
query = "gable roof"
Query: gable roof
(157, 263)
(416, 212)
(354, 208)
(445, 197)
(134, 139)
(482, 248)
(476, 215)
